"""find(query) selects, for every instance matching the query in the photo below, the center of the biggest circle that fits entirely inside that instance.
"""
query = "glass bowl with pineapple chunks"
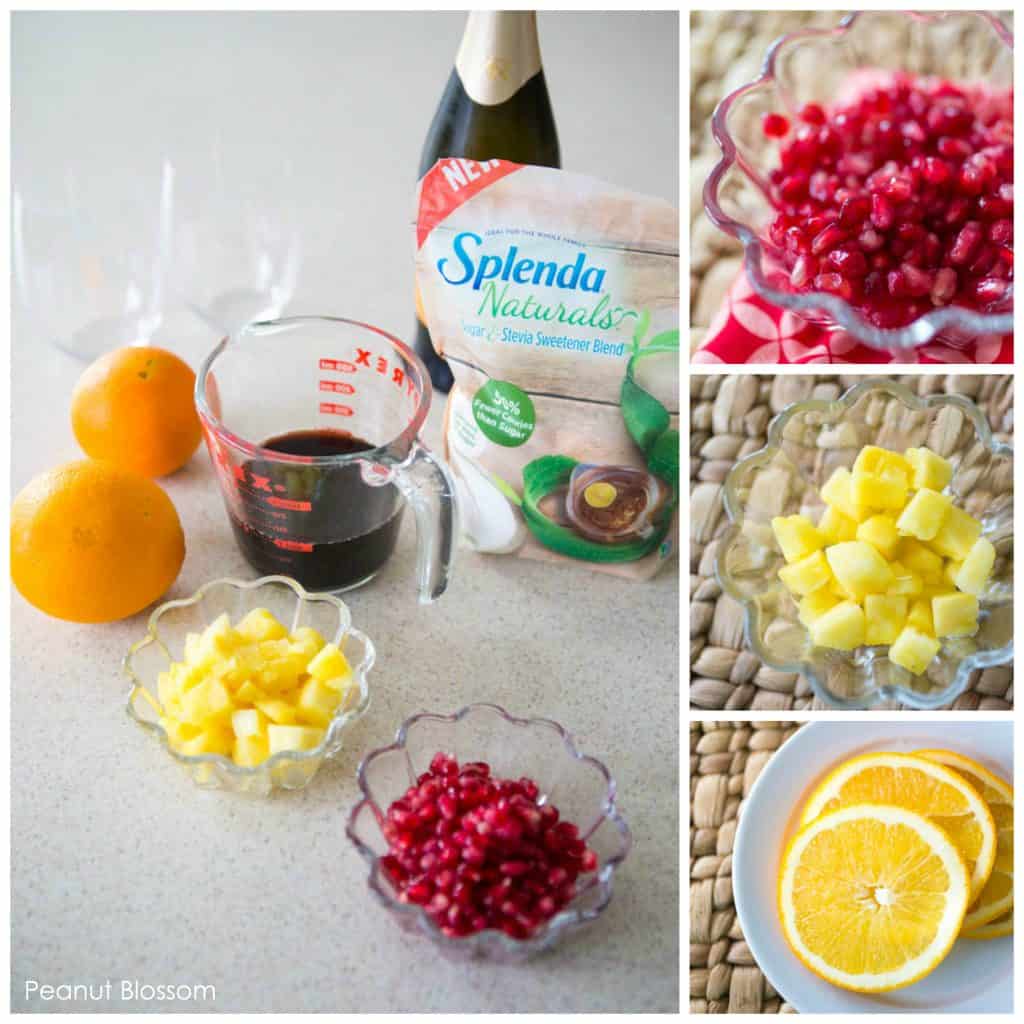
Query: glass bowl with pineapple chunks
(871, 546)
(250, 685)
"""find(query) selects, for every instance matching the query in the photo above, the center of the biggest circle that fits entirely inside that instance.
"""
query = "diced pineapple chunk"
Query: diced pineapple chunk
(913, 650)
(330, 663)
(905, 582)
(920, 615)
(957, 535)
(929, 470)
(249, 693)
(814, 605)
(248, 722)
(167, 689)
(841, 628)
(260, 624)
(250, 751)
(920, 559)
(836, 492)
(293, 737)
(802, 577)
(880, 479)
(797, 536)
(880, 532)
(216, 641)
(859, 568)
(214, 740)
(318, 702)
(885, 617)
(192, 646)
(924, 515)
(955, 615)
(836, 527)
(208, 700)
(306, 640)
(976, 567)
(280, 711)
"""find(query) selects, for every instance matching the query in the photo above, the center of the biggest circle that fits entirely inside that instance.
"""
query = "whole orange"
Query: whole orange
(135, 407)
(92, 542)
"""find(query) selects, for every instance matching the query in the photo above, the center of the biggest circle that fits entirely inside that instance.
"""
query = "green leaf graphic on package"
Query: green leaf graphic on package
(611, 513)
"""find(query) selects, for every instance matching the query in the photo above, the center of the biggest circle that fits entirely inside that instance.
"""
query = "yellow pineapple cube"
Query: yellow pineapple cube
(880, 479)
(885, 617)
(207, 701)
(178, 731)
(281, 712)
(167, 690)
(929, 470)
(924, 515)
(836, 493)
(317, 702)
(836, 527)
(839, 591)
(814, 605)
(913, 650)
(293, 737)
(216, 739)
(797, 537)
(802, 577)
(955, 615)
(249, 694)
(957, 535)
(859, 568)
(880, 532)
(330, 663)
(307, 641)
(841, 628)
(259, 625)
(192, 641)
(249, 751)
(976, 567)
(920, 616)
(905, 582)
(920, 560)
(248, 722)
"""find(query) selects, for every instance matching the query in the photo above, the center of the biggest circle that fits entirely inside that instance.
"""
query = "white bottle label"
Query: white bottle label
(499, 54)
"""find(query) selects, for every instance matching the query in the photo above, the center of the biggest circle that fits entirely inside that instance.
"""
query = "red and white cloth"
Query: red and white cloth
(747, 329)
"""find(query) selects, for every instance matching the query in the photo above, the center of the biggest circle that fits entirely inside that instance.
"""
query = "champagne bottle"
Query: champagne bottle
(495, 106)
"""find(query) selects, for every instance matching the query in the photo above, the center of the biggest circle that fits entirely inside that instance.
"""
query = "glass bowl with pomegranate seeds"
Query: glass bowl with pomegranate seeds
(490, 834)
(868, 173)
(807, 442)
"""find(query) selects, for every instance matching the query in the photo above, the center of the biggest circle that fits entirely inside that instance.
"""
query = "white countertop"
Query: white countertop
(122, 869)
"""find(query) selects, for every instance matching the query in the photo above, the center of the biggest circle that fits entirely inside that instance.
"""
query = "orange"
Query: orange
(92, 542)
(135, 407)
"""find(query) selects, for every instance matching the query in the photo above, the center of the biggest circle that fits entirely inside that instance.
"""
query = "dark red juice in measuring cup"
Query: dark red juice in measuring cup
(319, 523)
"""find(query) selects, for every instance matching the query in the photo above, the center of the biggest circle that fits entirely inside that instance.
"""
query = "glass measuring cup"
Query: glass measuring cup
(312, 424)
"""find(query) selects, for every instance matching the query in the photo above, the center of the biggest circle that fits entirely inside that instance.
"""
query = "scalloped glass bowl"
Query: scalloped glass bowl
(816, 65)
(807, 441)
(293, 606)
(578, 785)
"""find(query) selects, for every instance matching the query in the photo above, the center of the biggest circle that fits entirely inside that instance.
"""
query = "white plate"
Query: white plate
(976, 977)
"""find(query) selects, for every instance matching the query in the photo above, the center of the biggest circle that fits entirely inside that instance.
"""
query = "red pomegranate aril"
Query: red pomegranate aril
(803, 270)
(831, 236)
(502, 861)
(990, 289)
(848, 261)
(1001, 232)
(950, 147)
(943, 287)
(984, 261)
(918, 282)
(882, 213)
(870, 240)
(812, 113)
(775, 126)
(965, 243)
(833, 283)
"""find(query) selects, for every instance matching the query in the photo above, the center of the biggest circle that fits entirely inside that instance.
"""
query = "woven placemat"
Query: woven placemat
(725, 760)
(729, 418)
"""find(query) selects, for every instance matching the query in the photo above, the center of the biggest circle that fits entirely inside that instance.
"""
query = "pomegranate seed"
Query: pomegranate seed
(990, 289)
(803, 270)
(870, 240)
(827, 239)
(950, 147)
(478, 852)
(848, 261)
(775, 126)
(812, 113)
(916, 281)
(1001, 232)
(966, 241)
(944, 286)
(833, 283)
(882, 213)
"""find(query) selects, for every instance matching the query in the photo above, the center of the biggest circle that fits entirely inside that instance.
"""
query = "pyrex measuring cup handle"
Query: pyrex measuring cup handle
(428, 487)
